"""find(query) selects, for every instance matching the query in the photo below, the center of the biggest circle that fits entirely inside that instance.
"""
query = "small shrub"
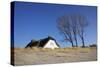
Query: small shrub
(93, 45)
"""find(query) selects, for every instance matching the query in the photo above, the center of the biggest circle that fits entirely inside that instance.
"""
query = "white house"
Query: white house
(48, 42)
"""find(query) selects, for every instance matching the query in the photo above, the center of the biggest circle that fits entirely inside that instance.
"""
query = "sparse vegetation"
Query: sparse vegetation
(28, 56)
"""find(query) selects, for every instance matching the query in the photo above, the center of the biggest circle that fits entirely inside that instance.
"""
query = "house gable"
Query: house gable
(51, 44)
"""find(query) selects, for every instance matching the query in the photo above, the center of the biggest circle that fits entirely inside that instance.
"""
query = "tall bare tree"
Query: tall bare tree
(82, 24)
(73, 21)
(79, 23)
(72, 26)
(64, 25)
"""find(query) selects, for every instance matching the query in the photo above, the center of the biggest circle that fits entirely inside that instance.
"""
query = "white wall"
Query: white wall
(51, 44)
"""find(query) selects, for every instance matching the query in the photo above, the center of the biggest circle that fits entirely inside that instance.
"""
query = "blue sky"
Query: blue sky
(38, 21)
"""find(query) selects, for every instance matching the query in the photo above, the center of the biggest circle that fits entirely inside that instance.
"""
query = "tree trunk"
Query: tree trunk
(72, 43)
(83, 42)
(75, 40)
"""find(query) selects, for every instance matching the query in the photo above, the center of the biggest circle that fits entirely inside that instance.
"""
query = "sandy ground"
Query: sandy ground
(47, 56)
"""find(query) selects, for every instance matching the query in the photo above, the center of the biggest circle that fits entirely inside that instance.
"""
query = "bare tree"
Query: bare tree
(72, 26)
(64, 25)
(82, 24)
(79, 23)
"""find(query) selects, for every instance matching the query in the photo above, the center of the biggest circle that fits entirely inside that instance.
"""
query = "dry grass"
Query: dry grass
(30, 56)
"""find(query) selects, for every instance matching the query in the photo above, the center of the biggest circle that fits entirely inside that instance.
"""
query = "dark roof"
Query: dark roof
(41, 42)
